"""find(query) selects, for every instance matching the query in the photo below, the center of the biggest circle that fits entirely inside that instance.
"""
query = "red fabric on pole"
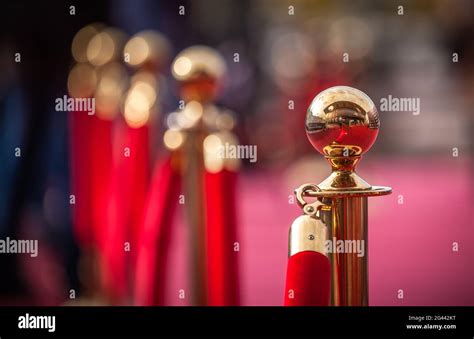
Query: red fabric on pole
(152, 258)
(101, 153)
(308, 280)
(124, 211)
(138, 178)
(79, 123)
(221, 229)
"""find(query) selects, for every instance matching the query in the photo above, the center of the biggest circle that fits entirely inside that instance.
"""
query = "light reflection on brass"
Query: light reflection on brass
(342, 123)
(347, 221)
(307, 234)
(81, 41)
(196, 61)
(173, 139)
(147, 47)
(82, 81)
(215, 159)
(225, 121)
(112, 81)
(105, 46)
(342, 115)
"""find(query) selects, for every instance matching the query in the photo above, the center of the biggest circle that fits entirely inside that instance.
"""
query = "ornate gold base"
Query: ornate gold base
(344, 180)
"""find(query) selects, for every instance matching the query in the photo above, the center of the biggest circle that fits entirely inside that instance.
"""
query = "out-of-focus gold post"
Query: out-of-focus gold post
(199, 70)
(342, 123)
(194, 189)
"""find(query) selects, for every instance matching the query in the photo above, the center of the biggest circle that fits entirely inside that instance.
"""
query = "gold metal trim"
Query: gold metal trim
(307, 234)
(371, 192)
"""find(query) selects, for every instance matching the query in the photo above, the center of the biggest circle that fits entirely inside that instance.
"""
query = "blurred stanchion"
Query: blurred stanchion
(82, 83)
(112, 81)
(103, 51)
(147, 53)
(209, 185)
(110, 151)
(208, 179)
(131, 176)
(96, 49)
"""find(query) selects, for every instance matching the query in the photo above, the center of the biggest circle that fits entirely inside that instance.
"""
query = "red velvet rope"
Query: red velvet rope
(222, 265)
(129, 179)
(101, 152)
(152, 259)
(80, 178)
(308, 280)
